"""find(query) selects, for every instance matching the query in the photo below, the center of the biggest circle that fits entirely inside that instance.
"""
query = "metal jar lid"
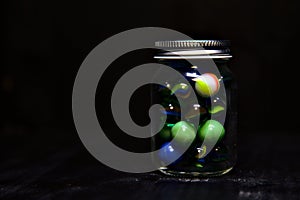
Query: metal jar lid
(193, 49)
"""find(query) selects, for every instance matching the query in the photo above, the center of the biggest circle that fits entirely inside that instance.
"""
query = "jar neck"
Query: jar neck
(194, 54)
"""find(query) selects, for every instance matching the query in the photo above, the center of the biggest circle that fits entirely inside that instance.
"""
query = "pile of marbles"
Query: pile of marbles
(206, 86)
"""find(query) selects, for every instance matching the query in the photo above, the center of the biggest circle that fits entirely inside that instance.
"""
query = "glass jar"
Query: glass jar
(211, 123)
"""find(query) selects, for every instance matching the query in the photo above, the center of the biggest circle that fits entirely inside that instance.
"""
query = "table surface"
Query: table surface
(53, 167)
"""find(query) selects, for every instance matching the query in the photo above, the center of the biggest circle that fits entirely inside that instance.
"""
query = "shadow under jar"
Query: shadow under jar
(212, 151)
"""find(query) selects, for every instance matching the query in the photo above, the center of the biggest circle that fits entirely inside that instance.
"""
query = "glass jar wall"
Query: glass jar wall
(216, 111)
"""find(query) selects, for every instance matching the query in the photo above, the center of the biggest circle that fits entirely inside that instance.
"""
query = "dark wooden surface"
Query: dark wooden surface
(59, 167)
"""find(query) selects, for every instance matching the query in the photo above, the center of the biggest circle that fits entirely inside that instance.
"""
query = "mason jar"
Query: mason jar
(208, 124)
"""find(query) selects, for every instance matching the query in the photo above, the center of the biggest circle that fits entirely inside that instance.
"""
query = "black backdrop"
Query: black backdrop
(44, 43)
(43, 46)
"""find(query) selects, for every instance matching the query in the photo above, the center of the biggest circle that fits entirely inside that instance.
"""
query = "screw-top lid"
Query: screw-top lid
(193, 43)
(198, 49)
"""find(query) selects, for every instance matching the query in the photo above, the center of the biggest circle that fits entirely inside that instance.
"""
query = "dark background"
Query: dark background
(45, 42)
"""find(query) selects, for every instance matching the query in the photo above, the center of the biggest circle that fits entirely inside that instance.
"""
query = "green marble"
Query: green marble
(183, 131)
(182, 90)
(212, 130)
(216, 109)
(165, 134)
